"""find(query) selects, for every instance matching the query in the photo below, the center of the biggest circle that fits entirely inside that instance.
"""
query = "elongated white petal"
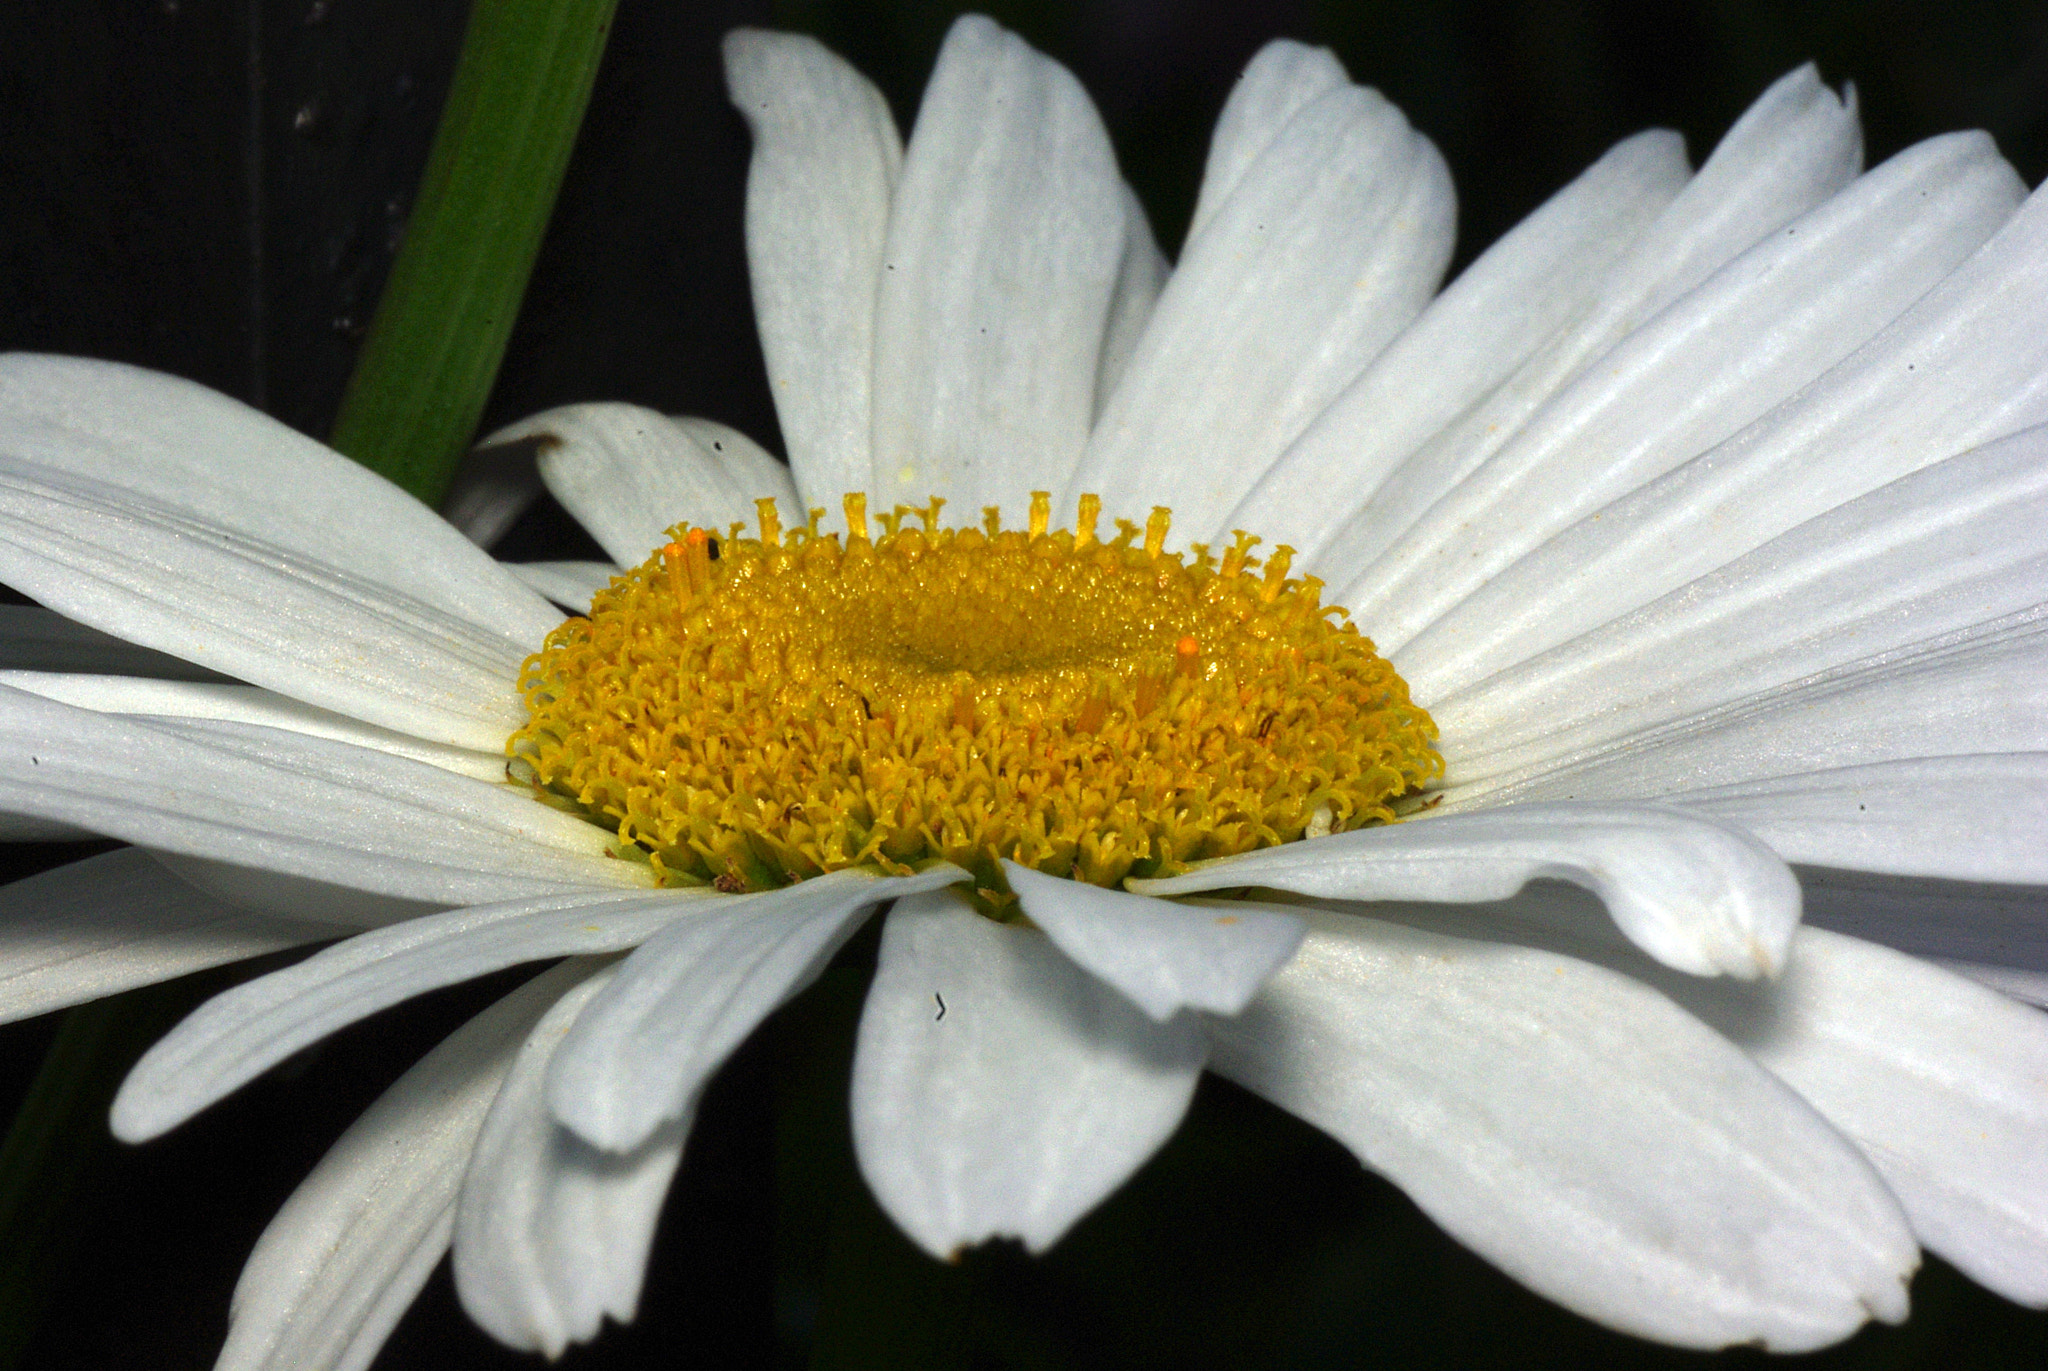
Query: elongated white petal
(1938, 1079)
(1163, 956)
(1959, 543)
(116, 921)
(1696, 895)
(552, 1235)
(1795, 147)
(629, 473)
(256, 610)
(568, 584)
(36, 639)
(1966, 365)
(240, 1033)
(1002, 258)
(692, 993)
(493, 485)
(346, 908)
(1333, 241)
(1484, 325)
(998, 1089)
(1766, 324)
(246, 705)
(1963, 923)
(172, 443)
(1282, 78)
(826, 159)
(287, 802)
(1580, 1132)
(1982, 690)
(1140, 276)
(338, 1266)
(1972, 818)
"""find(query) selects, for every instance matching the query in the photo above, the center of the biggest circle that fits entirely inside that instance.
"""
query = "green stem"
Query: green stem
(504, 139)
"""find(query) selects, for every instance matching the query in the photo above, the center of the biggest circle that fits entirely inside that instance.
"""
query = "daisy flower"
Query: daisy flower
(1696, 530)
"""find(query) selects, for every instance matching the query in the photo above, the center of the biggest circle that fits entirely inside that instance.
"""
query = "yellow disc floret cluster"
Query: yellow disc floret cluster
(749, 712)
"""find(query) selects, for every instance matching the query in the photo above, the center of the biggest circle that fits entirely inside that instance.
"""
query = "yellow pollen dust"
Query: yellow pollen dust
(749, 712)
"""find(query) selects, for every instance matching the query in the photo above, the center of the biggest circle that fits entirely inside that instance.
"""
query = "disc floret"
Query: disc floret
(750, 712)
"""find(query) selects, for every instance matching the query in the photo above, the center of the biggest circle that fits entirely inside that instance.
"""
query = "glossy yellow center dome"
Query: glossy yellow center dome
(753, 711)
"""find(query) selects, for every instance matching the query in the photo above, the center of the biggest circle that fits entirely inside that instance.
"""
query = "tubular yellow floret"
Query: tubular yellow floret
(1087, 709)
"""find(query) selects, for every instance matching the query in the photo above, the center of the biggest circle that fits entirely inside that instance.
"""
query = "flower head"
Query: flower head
(1702, 515)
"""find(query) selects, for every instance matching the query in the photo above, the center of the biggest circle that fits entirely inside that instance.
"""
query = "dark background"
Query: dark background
(215, 189)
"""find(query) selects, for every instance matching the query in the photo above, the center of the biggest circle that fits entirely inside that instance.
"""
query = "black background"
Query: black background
(216, 190)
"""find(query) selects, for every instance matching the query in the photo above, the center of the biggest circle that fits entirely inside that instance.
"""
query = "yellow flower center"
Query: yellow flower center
(753, 711)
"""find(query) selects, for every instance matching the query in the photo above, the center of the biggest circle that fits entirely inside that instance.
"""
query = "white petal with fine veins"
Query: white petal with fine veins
(1940, 1081)
(1140, 276)
(826, 159)
(1164, 957)
(1980, 691)
(998, 1089)
(240, 1033)
(1004, 243)
(1761, 327)
(1960, 543)
(1795, 147)
(256, 610)
(1580, 1132)
(628, 473)
(693, 992)
(1483, 325)
(1281, 78)
(1698, 896)
(170, 442)
(117, 921)
(552, 1235)
(36, 639)
(1334, 240)
(335, 1270)
(1966, 365)
(567, 584)
(282, 801)
(246, 705)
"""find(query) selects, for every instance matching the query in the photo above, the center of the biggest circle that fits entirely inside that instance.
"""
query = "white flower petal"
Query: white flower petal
(246, 705)
(1696, 895)
(1961, 923)
(1982, 690)
(568, 584)
(256, 610)
(1004, 243)
(1938, 1080)
(826, 160)
(348, 909)
(493, 485)
(1580, 1132)
(1282, 78)
(1761, 327)
(116, 921)
(1139, 279)
(1795, 147)
(36, 639)
(1334, 240)
(628, 474)
(693, 992)
(1164, 957)
(241, 1033)
(170, 442)
(1966, 365)
(281, 801)
(998, 1089)
(338, 1266)
(1979, 818)
(550, 1234)
(1484, 325)
(1958, 543)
